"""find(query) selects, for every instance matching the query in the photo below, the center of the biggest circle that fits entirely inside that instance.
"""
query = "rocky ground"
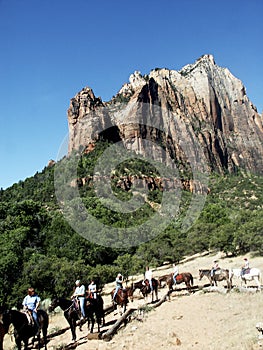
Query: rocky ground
(203, 320)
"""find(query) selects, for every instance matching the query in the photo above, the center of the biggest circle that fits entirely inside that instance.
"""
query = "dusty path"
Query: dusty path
(199, 321)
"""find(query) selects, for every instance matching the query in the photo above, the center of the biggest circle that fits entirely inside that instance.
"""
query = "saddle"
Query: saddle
(246, 271)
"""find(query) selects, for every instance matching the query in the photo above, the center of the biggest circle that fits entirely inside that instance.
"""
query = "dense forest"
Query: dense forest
(39, 248)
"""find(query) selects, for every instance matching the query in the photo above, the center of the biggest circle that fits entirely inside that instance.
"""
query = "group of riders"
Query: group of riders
(32, 301)
(244, 269)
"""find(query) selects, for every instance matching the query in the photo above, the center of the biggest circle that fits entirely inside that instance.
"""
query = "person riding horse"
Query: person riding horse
(79, 294)
(92, 290)
(245, 268)
(118, 281)
(148, 277)
(175, 272)
(30, 304)
(214, 268)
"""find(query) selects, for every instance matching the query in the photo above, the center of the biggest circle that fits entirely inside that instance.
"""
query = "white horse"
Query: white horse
(254, 274)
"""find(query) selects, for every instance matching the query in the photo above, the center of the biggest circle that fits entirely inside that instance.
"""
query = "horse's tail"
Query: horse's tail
(191, 279)
(230, 275)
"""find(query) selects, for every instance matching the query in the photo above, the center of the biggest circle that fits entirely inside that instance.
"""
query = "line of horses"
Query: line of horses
(254, 274)
(94, 308)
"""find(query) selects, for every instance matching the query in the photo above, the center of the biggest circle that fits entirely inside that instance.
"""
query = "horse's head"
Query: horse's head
(54, 304)
(5, 319)
(201, 274)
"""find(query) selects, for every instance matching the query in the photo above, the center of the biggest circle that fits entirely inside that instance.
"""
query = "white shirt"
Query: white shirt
(92, 287)
(80, 290)
(148, 274)
(176, 270)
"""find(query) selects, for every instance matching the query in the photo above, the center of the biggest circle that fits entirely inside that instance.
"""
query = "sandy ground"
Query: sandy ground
(202, 320)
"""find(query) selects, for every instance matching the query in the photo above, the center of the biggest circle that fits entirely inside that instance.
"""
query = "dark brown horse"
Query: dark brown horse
(184, 277)
(145, 289)
(2, 331)
(23, 331)
(122, 298)
(71, 314)
(95, 307)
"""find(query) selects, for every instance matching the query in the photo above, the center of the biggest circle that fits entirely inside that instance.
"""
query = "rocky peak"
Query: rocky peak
(210, 102)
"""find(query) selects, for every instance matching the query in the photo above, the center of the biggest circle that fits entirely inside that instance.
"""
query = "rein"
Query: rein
(66, 310)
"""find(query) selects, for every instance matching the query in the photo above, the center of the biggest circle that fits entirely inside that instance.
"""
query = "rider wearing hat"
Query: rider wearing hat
(214, 268)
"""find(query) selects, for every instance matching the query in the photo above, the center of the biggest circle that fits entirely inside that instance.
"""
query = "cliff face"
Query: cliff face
(205, 101)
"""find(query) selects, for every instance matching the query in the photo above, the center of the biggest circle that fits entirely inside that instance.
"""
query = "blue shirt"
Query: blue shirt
(30, 301)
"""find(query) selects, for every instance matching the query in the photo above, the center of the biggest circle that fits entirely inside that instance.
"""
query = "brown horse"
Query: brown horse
(122, 298)
(219, 275)
(145, 289)
(185, 277)
(163, 279)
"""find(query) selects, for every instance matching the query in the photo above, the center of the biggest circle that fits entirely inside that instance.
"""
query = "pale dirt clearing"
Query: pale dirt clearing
(201, 320)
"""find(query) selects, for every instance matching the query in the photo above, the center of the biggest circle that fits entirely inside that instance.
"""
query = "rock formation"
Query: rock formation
(202, 101)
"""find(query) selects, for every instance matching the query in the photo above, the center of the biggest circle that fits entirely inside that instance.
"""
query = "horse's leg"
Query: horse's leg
(98, 321)
(92, 323)
(258, 282)
(38, 340)
(44, 332)
(25, 344)
(18, 341)
(73, 329)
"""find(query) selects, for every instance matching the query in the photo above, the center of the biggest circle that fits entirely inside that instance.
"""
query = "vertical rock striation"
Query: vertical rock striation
(206, 100)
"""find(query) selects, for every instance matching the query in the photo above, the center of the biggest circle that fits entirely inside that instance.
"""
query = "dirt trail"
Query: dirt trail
(201, 320)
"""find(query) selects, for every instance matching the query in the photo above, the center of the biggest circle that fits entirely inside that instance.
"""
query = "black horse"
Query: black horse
(95, 306)
(23, 330)
(71, 314)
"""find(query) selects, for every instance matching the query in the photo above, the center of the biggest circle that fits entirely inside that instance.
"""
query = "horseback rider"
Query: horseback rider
(92, 290)
(79, 294)
(214, 268)
(175, 272)
(118, 281)
(245, 268)
(30, 304)
(148, 277)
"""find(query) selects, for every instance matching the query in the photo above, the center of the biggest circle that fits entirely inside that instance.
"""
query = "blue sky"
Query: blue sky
(51, 49)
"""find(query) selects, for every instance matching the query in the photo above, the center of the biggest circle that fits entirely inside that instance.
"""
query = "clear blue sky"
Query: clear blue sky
(51, 49)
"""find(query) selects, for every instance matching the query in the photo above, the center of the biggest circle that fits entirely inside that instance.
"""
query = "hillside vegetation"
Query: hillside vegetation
(38, 247)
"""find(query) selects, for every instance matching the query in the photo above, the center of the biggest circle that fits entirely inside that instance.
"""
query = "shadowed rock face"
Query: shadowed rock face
(206, 100)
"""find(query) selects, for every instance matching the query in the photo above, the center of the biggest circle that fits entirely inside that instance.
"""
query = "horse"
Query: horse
(252, 274)
(2, 331)
(145, 289)
(163, 279)
(95, 306)
(185, 277)
(122, 298)
(219, 275)
(23, 330)
(71, 314)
